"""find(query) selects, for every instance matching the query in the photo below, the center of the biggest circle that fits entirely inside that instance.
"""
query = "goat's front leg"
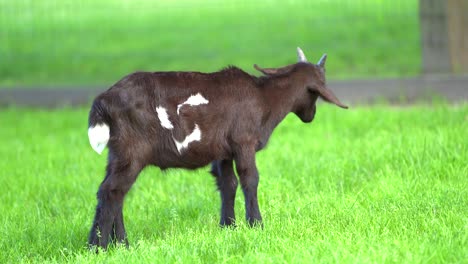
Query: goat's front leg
(227, 186)
(248, 175)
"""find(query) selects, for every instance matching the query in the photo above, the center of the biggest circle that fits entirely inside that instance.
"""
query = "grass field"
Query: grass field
(84, 42)
(375, 184)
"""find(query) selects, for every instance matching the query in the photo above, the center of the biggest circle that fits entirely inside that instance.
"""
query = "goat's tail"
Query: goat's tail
(98, 129)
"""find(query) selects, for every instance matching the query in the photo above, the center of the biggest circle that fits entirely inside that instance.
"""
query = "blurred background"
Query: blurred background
(377, 48)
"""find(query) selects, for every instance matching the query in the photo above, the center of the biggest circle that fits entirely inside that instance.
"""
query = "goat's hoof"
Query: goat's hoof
(95, 248)
(228, 226)
(122, 243)
(226, 223)
(256, 224)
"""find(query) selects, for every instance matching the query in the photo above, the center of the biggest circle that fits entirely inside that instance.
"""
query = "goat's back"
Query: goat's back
(229, 101)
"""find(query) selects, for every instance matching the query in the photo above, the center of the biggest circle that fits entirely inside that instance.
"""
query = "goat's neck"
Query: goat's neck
(280, 97)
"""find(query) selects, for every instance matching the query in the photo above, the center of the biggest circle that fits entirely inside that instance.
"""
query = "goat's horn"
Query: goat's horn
(322, 60)
(300, 55)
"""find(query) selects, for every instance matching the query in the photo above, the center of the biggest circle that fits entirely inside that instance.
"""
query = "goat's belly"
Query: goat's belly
(195, 156)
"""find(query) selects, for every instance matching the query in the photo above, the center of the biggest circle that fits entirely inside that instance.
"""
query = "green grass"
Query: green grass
(86, 42)
(375, 184)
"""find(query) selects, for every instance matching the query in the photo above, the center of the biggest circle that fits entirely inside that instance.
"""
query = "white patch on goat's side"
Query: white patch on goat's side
(194, 136)
(197, 99)
(164, 117)
(98, 137)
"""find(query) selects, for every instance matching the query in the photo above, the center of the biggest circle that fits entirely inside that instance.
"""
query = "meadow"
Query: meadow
(373, 184)
(84, 42)
(380, 184)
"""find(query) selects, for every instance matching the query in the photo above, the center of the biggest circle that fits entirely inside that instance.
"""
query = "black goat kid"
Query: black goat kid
(191, 119)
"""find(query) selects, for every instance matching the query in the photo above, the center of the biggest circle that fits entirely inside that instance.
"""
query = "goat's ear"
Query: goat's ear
(266, 71)
(274, 71)
(327, 95)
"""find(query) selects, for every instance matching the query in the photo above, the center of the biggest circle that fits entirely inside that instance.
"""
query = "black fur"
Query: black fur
(237, 122)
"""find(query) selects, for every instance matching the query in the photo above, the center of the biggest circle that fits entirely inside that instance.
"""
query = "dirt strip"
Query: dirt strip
(401, 91)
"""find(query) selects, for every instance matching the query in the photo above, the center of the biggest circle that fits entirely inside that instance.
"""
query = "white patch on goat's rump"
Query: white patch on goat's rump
(194, 136)
(98, 137)
(197, 99)
(164, 117)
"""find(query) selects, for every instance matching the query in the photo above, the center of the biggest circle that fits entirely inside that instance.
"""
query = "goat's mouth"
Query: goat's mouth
(307, 118)
(305, 115)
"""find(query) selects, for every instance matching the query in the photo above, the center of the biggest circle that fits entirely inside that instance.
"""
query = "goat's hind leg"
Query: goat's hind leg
(108, 221)
(227, 186)
(118, 234)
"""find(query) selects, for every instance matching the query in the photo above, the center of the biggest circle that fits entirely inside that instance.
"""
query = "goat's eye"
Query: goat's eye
(311, 91)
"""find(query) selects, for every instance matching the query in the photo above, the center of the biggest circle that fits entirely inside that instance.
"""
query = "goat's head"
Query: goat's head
(308, 81)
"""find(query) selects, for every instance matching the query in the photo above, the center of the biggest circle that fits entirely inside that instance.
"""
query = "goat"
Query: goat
(191, 119)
